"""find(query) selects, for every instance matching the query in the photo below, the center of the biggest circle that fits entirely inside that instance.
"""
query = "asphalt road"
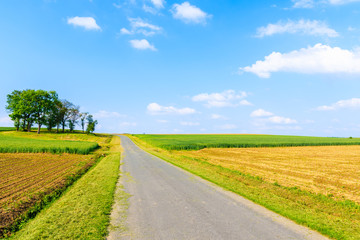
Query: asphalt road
(169, 203)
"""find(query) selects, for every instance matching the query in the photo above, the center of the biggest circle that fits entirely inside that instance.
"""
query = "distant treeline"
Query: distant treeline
(44, 108)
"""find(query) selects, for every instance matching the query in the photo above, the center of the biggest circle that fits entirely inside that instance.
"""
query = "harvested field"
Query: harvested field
(26, 177)
(330, 170)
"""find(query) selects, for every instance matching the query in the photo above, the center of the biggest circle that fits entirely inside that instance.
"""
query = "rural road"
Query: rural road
(169, 203)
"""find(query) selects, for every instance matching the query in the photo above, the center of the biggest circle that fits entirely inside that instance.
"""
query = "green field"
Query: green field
(14, 144)
(197, 142)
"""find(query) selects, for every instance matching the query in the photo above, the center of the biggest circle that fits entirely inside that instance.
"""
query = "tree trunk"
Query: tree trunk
(57, 128)
(29, 126)
(38, 131)
(63, 126)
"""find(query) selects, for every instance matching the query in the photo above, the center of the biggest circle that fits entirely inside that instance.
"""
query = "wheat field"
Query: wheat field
(329, 170)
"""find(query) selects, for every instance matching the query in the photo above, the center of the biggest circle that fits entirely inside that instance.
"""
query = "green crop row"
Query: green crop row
(10, 144)
(197, 142)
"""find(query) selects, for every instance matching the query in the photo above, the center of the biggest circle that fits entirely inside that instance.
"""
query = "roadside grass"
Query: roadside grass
(197, 142)
(17, 143)
(334, 218)
(82, 212)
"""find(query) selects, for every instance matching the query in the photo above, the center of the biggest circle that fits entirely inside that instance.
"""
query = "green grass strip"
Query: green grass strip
(83, 211)
(336, 219)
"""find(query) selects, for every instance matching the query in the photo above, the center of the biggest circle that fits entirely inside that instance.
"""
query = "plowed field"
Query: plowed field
(24, 177)
(330, 170)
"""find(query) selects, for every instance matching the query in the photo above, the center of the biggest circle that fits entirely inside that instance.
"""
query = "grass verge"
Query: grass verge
(82, 212)
(336, 219)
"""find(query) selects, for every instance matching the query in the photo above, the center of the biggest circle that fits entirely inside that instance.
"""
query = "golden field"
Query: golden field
(330, 170)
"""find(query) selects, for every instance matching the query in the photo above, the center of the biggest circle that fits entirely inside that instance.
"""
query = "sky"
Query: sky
(288, 67)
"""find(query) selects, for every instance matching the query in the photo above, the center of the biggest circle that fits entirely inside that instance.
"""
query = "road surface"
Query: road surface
(169, 203)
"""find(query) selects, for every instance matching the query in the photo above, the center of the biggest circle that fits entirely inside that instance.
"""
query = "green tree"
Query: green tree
(83, 120)
(74, 115)
(91, 124)
(64, 113)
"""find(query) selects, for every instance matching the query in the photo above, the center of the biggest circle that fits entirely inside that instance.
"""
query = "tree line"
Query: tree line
(44, 108)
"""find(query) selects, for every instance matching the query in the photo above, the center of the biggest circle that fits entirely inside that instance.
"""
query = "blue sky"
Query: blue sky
(153, 66)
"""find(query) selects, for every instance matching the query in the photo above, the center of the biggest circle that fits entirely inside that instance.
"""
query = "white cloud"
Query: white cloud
(317, 59)
(156, 109)
(307, 27)
(217, 116)
(190, 124)
(268, 117)
(281, 120)
(303, 3)
(229, 98)
(125, 31)
(228, 126)
(340, 2)
(149, 9)
(88, 23)
(142, 44)
(106, 114)
(261, 113)
(189, 13)
(349, 103)
(158, 3)
(311, 3)
(140, 26)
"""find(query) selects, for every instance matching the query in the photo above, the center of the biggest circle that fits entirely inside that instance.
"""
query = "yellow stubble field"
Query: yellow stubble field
(330, 170)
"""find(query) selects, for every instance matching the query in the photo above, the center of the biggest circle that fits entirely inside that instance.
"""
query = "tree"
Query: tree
(91, 124)
(64, 113)
(74, 115)
(82, 120)
(43, 104)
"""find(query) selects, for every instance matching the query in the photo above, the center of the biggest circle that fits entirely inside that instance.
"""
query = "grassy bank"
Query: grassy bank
(334, 218)
(82, 212)
(196, 142)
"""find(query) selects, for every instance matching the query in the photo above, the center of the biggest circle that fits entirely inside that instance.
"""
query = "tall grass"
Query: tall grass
(11, 144)
(197, 142)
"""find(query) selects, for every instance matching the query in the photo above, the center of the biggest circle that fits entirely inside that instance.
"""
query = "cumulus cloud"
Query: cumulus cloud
(142, 44)
(263, 116)
(217, 116)
(281, 120)
(140, 26)
(349, 103)
(107, 114)
(158, 3)
(156, 109)
(88, 23)
(317, 59)
(261, 113)
(303, 3)
(229, 98)
(307, 27)
(311, 3)
(189, 13)
(340, 2)
(190, 124)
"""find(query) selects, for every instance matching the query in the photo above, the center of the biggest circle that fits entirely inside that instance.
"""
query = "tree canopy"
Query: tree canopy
(29, 107)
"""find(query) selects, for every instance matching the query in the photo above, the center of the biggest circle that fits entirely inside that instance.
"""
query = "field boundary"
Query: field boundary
(45, 199)
(84, 207)
(336, 219)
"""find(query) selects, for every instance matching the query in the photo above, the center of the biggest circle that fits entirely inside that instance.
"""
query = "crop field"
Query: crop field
(17, 144)
(329, 170)
(316, 186)
(197, 142)
(25, 177)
